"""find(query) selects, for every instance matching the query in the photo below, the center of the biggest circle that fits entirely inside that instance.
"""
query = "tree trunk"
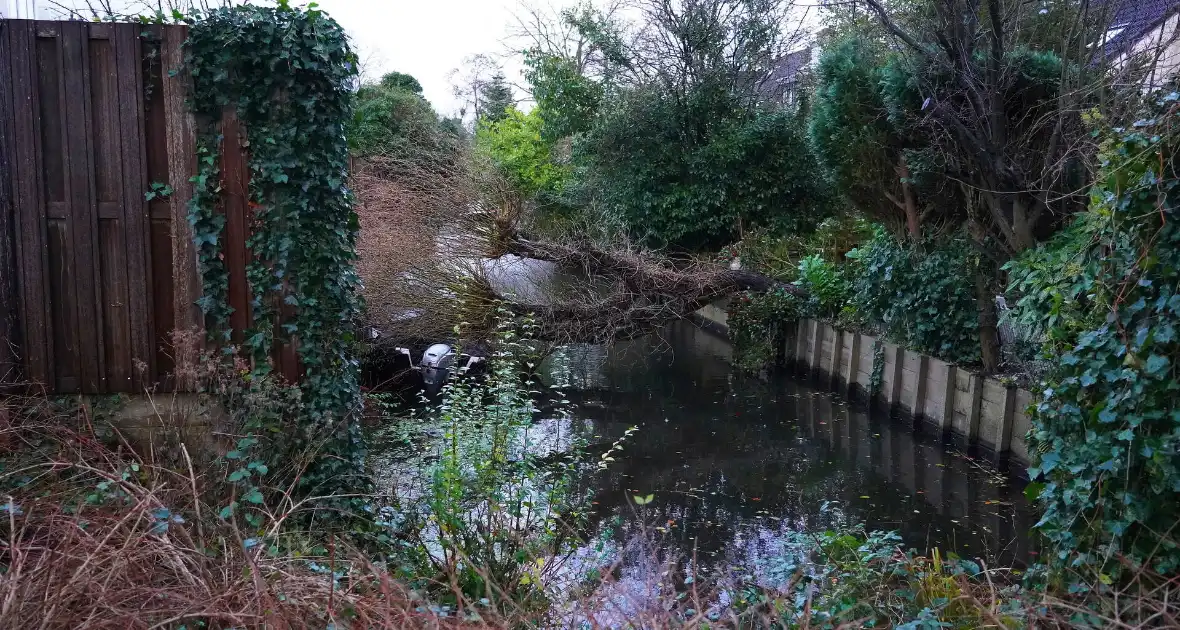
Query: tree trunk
(989, 337)
(1022, 228)
(913, 223)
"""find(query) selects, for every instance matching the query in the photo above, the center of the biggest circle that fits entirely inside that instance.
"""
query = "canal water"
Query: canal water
(736, 463)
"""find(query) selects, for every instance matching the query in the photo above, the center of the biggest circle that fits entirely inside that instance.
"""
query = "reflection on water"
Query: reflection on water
(738, 466)
(737, 463)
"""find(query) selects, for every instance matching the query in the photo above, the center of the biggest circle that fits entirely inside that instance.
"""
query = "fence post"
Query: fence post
(9, 299)
(182, 165)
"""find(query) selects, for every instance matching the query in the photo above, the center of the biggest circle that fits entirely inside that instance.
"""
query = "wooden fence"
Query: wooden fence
(94, 277)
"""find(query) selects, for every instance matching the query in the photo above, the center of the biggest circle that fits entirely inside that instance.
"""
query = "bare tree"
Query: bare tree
(684, 43)
(470, 82)
(592, 38)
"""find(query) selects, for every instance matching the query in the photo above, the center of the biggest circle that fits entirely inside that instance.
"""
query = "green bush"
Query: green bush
(694, 174)
(756, 320)
(920, 296)
(515, 145)
(828, 289)
(1106, 431)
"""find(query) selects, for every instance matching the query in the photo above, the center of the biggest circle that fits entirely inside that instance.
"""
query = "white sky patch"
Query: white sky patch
(425, 38)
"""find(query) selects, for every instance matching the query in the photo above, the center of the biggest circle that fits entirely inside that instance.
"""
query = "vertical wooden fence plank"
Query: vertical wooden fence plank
(180, 130)
(817, 347)
(1004, 442)
(136, 224)
(976, 408)
(112, 249)
(853, 364)
(947, 421)
(159, 210)
(10, 337)
(920, 394)
(83, 219)
(234, 204)
(837, 352)
(29, 193)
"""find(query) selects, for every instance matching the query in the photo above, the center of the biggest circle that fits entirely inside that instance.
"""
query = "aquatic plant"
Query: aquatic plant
(499, 510)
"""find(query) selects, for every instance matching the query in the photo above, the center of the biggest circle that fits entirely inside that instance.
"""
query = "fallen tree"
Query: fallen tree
(648, 291)
(439, 237)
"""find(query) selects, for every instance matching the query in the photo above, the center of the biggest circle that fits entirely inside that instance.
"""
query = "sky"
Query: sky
(424, 38)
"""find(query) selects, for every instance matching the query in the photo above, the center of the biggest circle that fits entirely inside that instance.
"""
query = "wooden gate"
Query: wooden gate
(94, 277)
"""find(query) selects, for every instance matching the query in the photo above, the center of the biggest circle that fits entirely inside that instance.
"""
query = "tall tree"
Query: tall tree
(684, 153)
(573, 58)
(861, 149)
(987, 98)
(497, 99)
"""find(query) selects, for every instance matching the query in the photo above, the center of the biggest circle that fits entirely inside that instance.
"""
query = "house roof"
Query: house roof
(1132, 20)
(785, 72)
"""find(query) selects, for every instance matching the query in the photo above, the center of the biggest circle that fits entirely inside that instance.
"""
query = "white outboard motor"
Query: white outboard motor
(436, 365)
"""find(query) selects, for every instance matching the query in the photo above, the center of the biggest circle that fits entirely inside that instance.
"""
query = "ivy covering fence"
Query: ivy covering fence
(287, 74)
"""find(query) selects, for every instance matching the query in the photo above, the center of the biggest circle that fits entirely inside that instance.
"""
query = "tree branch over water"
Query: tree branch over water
(437, 235)
(649, 291)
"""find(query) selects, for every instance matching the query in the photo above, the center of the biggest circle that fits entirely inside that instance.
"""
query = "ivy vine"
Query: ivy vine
(1106, 430)
(878, 373)
(287, 73)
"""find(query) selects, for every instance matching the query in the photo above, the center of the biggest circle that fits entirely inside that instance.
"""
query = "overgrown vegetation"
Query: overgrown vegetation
(917, 294)
(1104, 293)
(288, 74)
(498, 513)
(941, 151)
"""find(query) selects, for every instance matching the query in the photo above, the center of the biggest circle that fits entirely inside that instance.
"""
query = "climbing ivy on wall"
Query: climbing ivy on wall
(1107, 428)
(288, 73)
(921, 296)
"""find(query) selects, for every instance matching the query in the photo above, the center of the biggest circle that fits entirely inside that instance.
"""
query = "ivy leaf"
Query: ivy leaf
(254, 496)
(227, 511)
(1032, 491)
(1156, 364)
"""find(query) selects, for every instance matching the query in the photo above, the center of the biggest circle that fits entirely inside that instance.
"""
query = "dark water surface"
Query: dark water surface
(737, 463)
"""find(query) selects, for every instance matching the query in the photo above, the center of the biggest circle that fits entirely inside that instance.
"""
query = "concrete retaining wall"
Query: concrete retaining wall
(974, 409)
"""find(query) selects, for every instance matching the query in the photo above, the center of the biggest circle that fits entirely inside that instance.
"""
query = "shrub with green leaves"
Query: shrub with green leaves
(921, 296)
(827, 287)
(1106, 431)
(695, 173)
(515, 145)
(498, 511)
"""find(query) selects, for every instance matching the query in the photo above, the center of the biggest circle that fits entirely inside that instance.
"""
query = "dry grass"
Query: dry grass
(69, 561)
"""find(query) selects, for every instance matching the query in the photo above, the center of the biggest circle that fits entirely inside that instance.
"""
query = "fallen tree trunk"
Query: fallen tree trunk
(650, 274)
(648, 291)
